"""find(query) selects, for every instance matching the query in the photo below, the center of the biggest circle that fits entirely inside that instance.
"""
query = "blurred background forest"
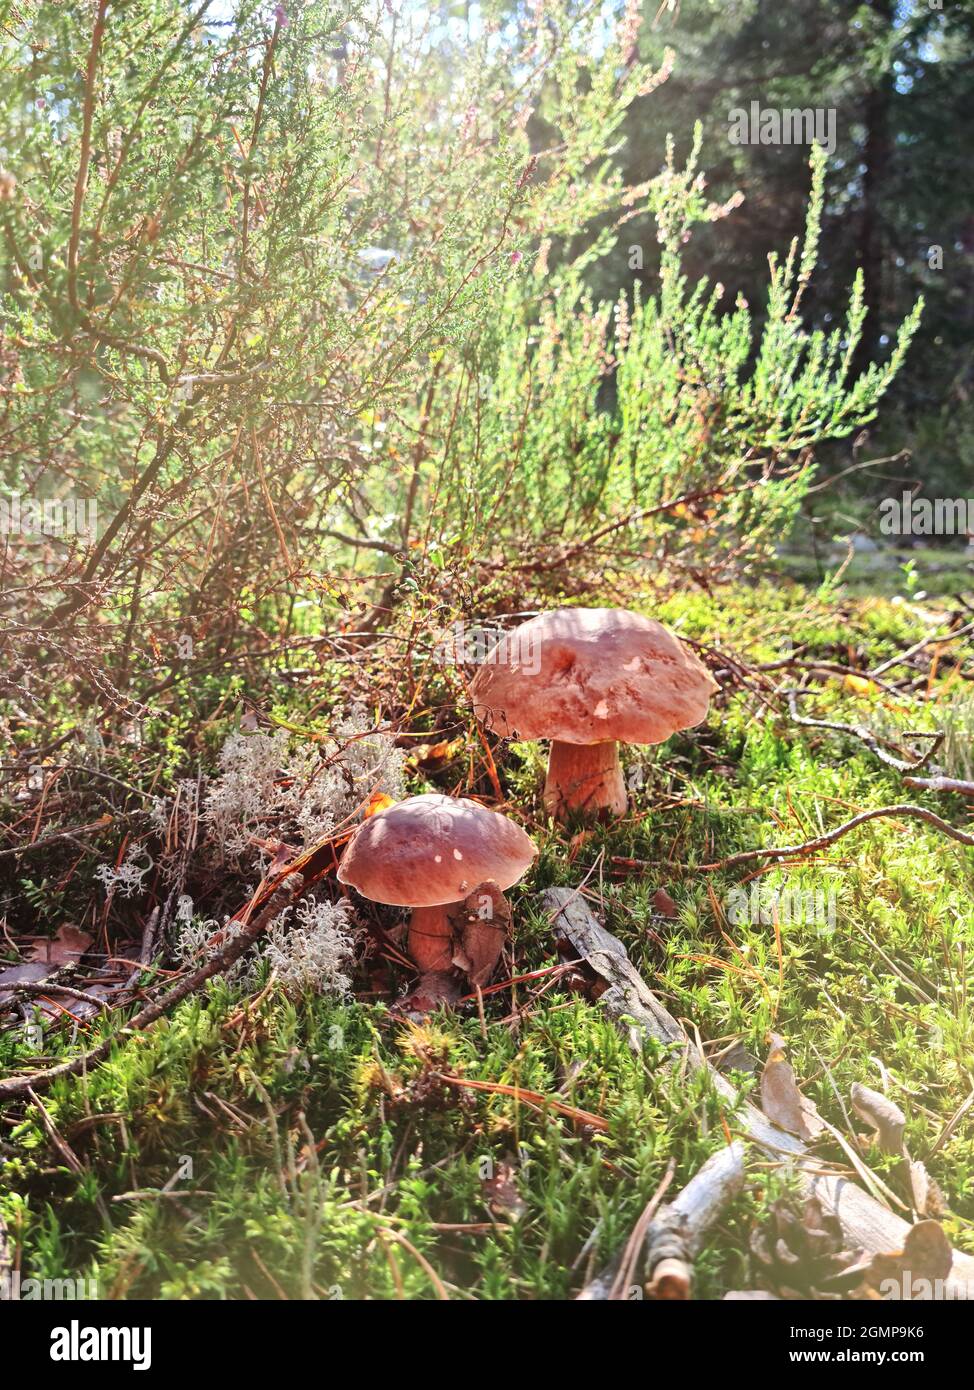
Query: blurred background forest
(900, 77)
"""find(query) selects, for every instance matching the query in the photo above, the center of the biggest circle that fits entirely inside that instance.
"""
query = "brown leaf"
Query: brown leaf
(502, 1195)
(664, 904)
(431, 757)
(928, 1251)
(782, 1101)
(926, 1256)
(480, 928)
(434, 989)
(886, 1118)
(67, 947)
(928, 1200)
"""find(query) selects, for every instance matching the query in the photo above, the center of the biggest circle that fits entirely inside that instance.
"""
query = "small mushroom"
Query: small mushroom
(429, 853)
(590, 679)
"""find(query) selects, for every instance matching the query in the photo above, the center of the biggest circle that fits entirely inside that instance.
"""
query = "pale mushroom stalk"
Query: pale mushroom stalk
(431, 938)
(584, 777)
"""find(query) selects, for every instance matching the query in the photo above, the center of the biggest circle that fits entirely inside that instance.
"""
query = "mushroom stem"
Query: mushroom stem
(585, 777)
(431, 937)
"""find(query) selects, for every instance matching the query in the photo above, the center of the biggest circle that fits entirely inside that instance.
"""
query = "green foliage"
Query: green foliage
(281, 293)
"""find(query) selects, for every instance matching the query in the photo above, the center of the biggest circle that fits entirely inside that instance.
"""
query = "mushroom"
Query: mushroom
(428, 853)
(590, 679)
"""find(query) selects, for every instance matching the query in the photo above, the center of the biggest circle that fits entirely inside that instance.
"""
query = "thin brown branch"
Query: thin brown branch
(906, 809)
(872, 741)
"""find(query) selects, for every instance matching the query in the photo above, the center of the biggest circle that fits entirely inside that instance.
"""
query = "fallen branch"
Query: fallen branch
(283, 897)
(904, 657)
(677, 1231)
(51, 987)
(673, 1236)
(872, 741)
(628, 1000)
(46, 840)
(940, 784)
(906, 808)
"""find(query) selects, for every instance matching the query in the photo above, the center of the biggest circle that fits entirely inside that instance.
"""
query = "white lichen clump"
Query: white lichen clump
(313, 952)
(126, 878)
(309, 949)
(268, 786)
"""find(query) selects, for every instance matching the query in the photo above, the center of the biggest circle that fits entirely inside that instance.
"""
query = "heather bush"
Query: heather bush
(297, 298)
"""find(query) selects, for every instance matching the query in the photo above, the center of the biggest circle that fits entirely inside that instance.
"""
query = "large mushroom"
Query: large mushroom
(590, 679)
(429, 853)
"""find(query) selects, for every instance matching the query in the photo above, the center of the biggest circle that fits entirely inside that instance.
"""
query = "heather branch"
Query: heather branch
(829, 838)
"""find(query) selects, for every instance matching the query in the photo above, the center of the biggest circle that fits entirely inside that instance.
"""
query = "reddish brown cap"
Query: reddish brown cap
(591, 675)
(434, 849)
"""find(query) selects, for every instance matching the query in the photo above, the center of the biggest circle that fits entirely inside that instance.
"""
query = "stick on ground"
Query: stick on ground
(675, 1233)
(628, 1000)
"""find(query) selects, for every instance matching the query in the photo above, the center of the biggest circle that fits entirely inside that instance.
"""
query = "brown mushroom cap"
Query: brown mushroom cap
(591, 675)
(434, 849)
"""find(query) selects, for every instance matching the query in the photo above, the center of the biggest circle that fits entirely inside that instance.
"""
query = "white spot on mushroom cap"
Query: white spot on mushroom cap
(457, 854)
(601, 710)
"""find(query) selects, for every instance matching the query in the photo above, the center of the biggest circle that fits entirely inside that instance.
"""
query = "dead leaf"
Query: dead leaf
(502, 1195)
(858, 685)
(66, 948)
(926, 1256)
(480, 928)
(434, 989)
(432, 757)
(782, 1101)
(664, 904)
(928, 1200)
(889, 1126)
(886, 1118)
(377, 802)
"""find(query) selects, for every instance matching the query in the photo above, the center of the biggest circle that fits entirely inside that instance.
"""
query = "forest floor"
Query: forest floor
(253, 1143)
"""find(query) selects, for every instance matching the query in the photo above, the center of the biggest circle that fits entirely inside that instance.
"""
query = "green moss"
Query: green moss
(328, 1159)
